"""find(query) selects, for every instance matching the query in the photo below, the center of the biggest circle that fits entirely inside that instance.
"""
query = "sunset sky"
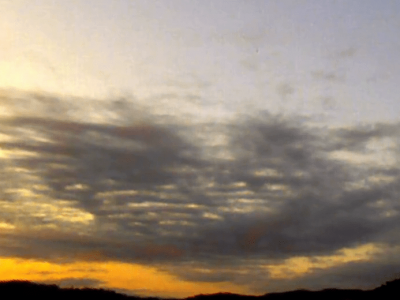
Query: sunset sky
(171, 148)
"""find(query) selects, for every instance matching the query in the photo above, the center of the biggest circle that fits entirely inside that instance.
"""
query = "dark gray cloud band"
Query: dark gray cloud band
(155, 191)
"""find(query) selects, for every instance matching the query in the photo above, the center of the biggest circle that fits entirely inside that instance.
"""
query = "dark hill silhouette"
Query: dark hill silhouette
(18, 289)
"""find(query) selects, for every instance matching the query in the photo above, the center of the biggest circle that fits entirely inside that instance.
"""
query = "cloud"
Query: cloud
(346, 53)
(328, 76)
(74, 282)
(364, 275)
(153, 191)
(285, 89)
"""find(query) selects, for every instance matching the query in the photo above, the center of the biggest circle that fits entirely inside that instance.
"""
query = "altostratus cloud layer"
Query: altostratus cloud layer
(265, 202)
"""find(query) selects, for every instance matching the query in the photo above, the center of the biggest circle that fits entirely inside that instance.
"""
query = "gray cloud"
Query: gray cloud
(74, 282)
(353, 275)
(328, 76)
(154, 192)
(346, 53)
(285, 89)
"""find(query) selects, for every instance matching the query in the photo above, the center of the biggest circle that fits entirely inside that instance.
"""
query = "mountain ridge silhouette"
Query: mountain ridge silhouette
(23, 289)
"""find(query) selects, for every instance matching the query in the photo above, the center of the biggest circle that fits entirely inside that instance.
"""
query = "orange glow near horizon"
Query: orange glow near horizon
(300, 266)
(149, 281)
(142, 280)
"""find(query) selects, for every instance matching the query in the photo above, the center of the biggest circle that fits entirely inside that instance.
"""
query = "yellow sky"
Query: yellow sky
(148, 281)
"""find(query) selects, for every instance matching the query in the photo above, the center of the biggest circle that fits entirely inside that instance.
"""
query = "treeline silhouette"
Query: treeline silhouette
(21, 289)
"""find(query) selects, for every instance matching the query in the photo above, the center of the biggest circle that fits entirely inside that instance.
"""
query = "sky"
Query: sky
(172, 148)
